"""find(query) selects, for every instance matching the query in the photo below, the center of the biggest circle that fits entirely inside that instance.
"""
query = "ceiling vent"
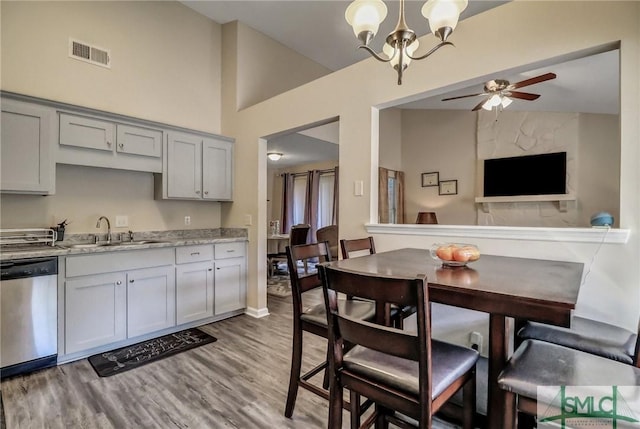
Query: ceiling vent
(89, 54)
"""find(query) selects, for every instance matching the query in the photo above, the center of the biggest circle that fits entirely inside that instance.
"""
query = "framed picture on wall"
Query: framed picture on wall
(430, 179)
(448, 187)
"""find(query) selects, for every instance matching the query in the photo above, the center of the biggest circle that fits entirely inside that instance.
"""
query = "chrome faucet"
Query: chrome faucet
(108, 227)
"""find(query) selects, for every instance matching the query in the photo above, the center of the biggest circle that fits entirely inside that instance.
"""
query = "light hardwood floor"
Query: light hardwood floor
(240, 381)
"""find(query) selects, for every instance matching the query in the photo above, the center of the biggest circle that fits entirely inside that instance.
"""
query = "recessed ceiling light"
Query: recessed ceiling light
(274, 156)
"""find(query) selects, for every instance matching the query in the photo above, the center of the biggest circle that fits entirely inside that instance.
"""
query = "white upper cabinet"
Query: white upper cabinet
(197, 167)
(97, 142)
(26, 149)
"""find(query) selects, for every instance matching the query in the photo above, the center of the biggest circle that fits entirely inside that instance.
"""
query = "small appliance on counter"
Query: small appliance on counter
(28, 304)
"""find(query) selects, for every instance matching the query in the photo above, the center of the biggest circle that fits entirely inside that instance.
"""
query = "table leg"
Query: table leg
(497, 409)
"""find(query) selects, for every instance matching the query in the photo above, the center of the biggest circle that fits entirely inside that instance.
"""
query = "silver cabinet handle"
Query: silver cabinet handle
(121, 145)
(211, 269)
(118, 282)
(206, 192)
(108, 143)
(198, 192)
(230, 251)
(217, 268)
(195, 253)
(131, 281)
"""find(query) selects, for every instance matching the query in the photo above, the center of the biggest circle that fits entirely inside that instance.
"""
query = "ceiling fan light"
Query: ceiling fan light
(443, 13)
(365, 16)
(506, 101)
(274, 156)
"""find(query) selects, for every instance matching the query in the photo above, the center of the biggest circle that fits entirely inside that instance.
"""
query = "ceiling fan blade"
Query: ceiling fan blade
(537, 79)
(522, 95)
(464, 96)
(479, 106)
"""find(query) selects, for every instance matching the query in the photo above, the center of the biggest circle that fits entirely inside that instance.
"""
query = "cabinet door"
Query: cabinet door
(95, 311)
(217, 172)
(86, 133)
(230, 285)
(151, 300)
(194, 291)
(139, 141)
(25, 153)
(184, 166)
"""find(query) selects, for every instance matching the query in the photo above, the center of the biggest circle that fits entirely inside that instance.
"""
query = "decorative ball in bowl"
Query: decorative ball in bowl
(455, 254)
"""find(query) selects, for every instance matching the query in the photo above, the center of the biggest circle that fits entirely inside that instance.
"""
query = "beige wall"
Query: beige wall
(267, 68)
(442, 141)
(86, 193)
(611, 290)
(390, 146)
(165, 58)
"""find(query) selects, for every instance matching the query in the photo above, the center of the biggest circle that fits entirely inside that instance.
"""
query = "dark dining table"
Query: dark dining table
(521, 288)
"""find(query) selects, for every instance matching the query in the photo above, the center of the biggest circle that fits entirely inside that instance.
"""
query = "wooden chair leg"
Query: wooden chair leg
(325, 380)
(294, 377)
(356, 409)
(335, 406)
(381, 418)
(469, 403)
(509, 420)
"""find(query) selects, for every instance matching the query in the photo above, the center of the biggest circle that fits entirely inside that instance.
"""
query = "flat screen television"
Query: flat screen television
(544, 174)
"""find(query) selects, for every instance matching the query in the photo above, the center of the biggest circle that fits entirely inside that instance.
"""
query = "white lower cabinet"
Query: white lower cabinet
(112, 297)
(95, 311)
(151, 300)
(194, 291)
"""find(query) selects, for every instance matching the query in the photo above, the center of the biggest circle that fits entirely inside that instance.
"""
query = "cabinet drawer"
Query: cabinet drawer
(139, 141)
(187, 254)
(229, 250)
(110, 262)
(86, 132)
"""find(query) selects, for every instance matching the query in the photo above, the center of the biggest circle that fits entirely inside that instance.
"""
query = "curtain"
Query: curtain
(287, 203)
(383, 195)
(311, 205)
(334, 216)
(400, 197)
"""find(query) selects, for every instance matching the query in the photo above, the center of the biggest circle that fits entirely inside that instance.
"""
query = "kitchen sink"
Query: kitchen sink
(129, 243)
(90, 245)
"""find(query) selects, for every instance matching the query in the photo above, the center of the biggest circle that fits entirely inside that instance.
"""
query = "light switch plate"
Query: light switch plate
(122, 221)
(358, 188)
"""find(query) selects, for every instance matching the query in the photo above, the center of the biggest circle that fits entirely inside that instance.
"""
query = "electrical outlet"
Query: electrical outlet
(187, 220)
(122, 221)
(248, 220)
(475, 341)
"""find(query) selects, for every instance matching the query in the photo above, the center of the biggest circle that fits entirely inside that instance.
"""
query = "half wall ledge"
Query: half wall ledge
(571, 235)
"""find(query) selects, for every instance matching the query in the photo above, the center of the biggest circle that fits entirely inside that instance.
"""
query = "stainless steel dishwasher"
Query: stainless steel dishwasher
(28, 315)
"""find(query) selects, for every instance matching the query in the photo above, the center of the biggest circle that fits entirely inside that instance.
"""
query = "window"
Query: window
(325, 200)
(299, 198)
(392, 198)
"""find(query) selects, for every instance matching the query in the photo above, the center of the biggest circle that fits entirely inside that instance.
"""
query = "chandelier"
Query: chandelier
(365, 17)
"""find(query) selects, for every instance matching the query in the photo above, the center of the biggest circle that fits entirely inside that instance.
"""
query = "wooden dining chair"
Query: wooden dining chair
(591, 336)
(536, 363)
(361, 245)
(366, 245)
(313, 318)
(329, 233)
(299, 234)
(403, 373)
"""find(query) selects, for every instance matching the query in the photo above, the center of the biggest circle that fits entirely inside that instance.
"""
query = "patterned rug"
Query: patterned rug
(133, 356)
(278, 285)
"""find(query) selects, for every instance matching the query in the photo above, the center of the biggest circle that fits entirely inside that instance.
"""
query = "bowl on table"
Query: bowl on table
(455, 254)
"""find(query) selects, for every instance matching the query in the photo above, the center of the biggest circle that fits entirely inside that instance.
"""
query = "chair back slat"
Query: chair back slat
(357, 245)
(380, 338)
(390, 290)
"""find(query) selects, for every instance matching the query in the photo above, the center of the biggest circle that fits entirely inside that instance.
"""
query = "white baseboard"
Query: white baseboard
(257, 312)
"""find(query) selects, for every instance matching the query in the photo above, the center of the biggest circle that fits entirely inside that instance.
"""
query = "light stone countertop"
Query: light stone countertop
(168, 239)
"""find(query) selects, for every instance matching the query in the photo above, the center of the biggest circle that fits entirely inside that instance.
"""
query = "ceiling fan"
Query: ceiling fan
(499, 92)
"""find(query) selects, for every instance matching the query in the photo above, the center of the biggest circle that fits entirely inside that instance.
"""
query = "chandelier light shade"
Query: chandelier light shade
(274, 156)
(365, 17)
